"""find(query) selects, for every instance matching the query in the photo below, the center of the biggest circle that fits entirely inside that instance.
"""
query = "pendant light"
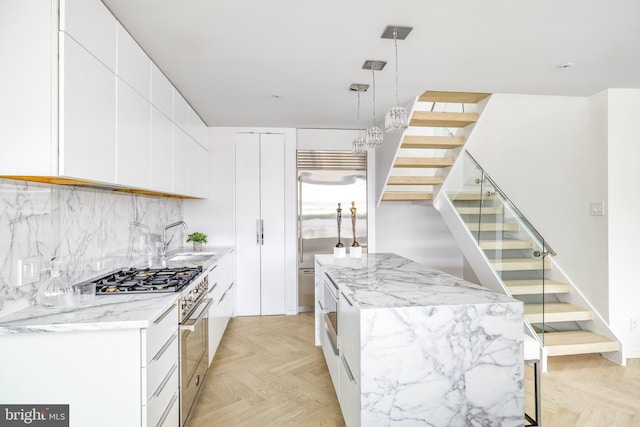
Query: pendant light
(397, 118)
(359, 146)
(375, 135)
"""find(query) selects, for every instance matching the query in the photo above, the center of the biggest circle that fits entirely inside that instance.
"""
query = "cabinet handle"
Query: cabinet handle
(213, 287)
(257, 231)
(165, 347)
(223, 295)
(262, 232)
(348, 369)
(346, 299)
(165, 414)
(165, 381)
(163, 315)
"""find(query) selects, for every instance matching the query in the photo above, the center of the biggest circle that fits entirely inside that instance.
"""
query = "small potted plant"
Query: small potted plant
(198, 239)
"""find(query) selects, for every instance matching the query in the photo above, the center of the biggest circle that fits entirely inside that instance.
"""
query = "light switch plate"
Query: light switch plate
(597, 208)
(28, 271)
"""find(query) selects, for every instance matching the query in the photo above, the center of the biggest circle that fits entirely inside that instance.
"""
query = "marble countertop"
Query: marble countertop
(386, 280)
(107, 311)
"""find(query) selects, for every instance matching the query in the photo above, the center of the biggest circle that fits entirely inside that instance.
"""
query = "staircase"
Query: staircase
(430, 145)
(521, 260)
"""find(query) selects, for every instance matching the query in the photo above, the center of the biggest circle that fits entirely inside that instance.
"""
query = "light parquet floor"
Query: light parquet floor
(267, 372)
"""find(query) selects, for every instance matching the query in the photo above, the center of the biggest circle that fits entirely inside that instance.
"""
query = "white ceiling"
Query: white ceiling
(230, 58)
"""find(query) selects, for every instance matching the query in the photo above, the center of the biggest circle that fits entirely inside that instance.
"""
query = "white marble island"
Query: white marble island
(417, 346)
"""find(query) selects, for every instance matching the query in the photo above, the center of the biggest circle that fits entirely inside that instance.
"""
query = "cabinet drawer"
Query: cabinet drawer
(171, 416)
(160, 402)
(158, 333)
(156, 371)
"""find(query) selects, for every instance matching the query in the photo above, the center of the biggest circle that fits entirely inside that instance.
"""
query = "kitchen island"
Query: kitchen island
(115, 361)
(416, 346)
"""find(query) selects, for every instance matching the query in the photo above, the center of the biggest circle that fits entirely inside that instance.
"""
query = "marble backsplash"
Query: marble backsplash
(89, 230)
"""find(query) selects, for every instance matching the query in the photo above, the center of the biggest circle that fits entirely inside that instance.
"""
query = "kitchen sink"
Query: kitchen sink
(191, 256)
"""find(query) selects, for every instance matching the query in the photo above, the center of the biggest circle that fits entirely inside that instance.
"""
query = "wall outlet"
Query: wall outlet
(597, 208)
(635, 324)
(28, 271)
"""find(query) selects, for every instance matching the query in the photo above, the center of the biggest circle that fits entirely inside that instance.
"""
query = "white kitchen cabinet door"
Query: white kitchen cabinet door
(161, 92)
(92, 25)
(87, 145)
(197, 129)
(180, 111)
(260, 232)
(133, 65)
(181, 153)
(161, 152)
(273, 228)
(247, 224)
(198, 170)
(133, 138)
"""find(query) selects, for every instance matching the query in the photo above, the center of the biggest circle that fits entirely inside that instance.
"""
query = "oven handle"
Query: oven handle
(198, 314)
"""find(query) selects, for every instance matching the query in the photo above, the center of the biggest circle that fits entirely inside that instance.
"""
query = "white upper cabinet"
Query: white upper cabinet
(181, 157)
(133, 65)
(87, 128)
(197, 129)
(26, 122)
(133, 138)
(161, 152)
(181, 111)
(161, 92)
(198, 170)
(92, 25)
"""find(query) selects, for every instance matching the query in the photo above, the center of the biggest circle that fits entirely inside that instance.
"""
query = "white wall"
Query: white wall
(624, 205)
(547, 154)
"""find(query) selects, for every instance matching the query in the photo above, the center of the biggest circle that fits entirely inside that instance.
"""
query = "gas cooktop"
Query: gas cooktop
(145, 280)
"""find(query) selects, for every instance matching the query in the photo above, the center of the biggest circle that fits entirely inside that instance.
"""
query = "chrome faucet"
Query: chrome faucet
(165, 244)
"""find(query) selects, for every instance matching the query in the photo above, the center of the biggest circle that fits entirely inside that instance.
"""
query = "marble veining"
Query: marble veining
(435, 350)
(89, 230)
(388, 280)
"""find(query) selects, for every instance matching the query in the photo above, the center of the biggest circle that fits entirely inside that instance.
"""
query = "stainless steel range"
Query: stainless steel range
(193, 310)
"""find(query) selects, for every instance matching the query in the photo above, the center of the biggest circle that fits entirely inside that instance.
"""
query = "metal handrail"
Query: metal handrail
(549, 250)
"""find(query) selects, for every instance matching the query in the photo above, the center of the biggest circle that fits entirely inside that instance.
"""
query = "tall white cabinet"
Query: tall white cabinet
(260, 223)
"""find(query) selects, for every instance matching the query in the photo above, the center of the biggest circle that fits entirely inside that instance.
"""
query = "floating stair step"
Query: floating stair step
(475, 210)
(440, 119)
(405, 196)
(493, 226)
(535, 287)
(457, 97)
(435, 142)
(555, 312)
(469, 197)
(505, 244)
(577, 342)
(423, 162)
(415, 180)
(520, 264)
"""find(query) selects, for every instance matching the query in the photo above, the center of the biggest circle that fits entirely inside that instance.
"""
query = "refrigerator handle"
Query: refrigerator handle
(262, 232)
(300, 251)
(258, 231)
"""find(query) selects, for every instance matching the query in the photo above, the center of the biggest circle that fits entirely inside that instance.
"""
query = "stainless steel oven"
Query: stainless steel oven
(331, 295)
(194, 347)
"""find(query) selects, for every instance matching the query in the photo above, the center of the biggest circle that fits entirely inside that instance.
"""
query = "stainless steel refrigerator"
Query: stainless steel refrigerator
(326, 178)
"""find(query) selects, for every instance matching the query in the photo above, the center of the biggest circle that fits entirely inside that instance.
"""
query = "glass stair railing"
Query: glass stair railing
(517, 252)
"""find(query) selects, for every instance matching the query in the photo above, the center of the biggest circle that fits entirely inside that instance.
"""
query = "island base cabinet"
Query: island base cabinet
(332, 360)
(349, 397)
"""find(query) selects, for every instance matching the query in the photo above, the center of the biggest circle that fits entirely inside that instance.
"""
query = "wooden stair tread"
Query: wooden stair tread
(556, 312)
(457, 97)
(534, 287)
(423, 162)
(505, 244)
(493, 226)
(415, 180)
(520, 264)
(436, 142)
(442, 119)
(405, 196)
(475, 210)
(466, 197)
(577, 342)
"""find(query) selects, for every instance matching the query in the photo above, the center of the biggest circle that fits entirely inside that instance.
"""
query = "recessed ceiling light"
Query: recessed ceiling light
(565, 65)
(276, 96)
